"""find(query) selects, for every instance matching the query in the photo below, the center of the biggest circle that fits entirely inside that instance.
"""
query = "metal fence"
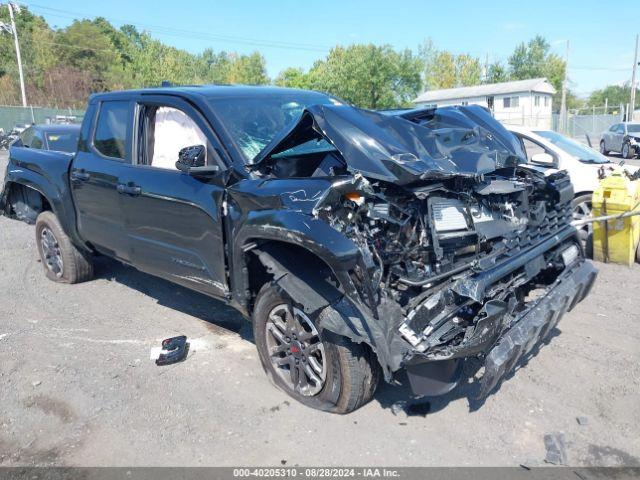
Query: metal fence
(11, 115)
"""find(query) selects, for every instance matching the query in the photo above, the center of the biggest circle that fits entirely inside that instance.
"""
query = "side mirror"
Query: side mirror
(543, 159)
(191, 160)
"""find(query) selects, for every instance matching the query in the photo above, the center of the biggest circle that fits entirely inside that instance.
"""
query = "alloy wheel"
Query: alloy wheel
(295, 350)
(582, 211)
(51, 252)
(625, 150)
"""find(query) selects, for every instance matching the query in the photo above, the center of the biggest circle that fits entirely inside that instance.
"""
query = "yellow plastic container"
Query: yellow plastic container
(616, 240)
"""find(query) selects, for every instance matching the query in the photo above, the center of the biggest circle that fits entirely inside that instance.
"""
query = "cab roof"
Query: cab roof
(207, 91)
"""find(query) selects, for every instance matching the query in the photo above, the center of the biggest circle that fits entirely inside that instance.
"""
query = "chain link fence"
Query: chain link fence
(11, 116)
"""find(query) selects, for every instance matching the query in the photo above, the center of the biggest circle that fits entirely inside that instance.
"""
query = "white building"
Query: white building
(522, 102)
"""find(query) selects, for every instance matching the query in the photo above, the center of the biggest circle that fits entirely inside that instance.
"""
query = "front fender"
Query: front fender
(296, 228)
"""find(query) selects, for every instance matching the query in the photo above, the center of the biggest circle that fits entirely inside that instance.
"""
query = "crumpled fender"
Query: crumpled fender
(296, 228)
(332, 310)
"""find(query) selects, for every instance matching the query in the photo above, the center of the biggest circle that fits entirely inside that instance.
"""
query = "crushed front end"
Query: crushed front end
(465, 267)
(465, 252)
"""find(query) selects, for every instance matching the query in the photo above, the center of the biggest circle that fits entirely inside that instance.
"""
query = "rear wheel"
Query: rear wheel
(603, 149)
(62, 261)
(318, 368)
(581, 211)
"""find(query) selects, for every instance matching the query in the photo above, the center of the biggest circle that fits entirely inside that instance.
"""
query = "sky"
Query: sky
(296, 33)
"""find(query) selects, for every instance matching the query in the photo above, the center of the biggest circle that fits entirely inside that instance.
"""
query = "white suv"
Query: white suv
(549, 151)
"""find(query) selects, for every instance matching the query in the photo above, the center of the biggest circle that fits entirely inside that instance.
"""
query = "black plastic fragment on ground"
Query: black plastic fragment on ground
(176, 349)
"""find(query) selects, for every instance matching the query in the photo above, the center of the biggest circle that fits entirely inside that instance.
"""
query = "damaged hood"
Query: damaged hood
(404, 148)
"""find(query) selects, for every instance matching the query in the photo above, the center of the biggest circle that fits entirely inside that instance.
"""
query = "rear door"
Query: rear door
(95, 176)
(173, 220)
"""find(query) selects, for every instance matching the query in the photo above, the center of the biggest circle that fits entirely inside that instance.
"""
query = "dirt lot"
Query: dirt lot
(78, 387)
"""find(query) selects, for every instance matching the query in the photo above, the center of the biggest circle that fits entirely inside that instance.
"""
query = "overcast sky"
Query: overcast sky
(296, 33)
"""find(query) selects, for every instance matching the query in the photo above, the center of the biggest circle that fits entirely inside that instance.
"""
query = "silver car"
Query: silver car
(623, 137)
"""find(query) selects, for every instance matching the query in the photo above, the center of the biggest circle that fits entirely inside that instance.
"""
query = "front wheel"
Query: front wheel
(318, 368)
(62, 261)
(627, 151)
(582, 211)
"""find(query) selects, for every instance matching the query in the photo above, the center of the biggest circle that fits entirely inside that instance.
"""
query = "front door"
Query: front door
(174, 220)
(95, 175)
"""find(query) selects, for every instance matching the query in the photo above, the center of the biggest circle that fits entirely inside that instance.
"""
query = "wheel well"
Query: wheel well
(305, 262)
(25, 203)
(580, 194)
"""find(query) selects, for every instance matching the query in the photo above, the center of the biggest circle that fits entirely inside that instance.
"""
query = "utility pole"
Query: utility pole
(563, 101)
(15, 39)
(633, 83)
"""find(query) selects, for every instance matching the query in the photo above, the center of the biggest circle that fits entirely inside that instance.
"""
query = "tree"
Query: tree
(443, 69)
(369, 76)
(496, 73)
(294, 78)
(614, 95)
(532, 60)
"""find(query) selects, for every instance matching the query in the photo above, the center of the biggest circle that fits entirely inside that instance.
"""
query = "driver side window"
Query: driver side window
(166, 131)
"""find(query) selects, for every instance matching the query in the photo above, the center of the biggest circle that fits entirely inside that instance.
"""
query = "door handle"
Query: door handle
(80, 175)
(129, 189)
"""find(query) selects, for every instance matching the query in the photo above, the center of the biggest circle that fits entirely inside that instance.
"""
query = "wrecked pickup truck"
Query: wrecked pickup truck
(359, 244)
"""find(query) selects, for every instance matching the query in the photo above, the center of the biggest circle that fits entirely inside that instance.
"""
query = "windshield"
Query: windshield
(575, 149)
(633, 127)
(63, 142)
(252, 122)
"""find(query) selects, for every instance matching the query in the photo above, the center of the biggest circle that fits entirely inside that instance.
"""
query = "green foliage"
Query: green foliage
(533, 60)
(62, 67)
(368, 76)
(443, 69)
(496, 73)
(613, 94)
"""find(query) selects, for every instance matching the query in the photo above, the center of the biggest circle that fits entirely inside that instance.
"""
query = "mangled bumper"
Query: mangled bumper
(535, 324)
(527, 330)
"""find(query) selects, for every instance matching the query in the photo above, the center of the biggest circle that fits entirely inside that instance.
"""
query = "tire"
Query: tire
(581, 206)
(62, 261)
(627, 151)
(350, 372)
(603, 149)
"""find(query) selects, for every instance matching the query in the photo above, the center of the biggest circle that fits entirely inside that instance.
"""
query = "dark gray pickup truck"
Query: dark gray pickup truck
(359, 244)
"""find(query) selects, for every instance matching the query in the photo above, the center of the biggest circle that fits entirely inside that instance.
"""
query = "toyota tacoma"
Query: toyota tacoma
(359, 244)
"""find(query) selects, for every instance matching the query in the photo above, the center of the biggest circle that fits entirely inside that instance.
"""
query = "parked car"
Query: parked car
(551, 151)
(358, 243)
(623, 138)
(59, 138)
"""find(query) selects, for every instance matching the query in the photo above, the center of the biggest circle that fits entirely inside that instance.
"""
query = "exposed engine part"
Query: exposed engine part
(418, 249)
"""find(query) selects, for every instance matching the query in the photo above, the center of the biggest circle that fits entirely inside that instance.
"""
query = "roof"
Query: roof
(541, 85)
(208, 91)
(58, 128)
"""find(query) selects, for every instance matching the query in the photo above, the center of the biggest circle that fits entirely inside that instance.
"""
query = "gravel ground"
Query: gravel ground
(78, 387)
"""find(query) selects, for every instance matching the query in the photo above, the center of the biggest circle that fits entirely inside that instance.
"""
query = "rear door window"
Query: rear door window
(110, 137)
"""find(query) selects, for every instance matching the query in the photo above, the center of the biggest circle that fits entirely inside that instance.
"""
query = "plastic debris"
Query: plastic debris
(556, 450)
(174, 350)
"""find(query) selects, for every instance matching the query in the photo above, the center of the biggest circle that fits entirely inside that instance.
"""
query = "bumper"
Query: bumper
(528, 330)
(535, 323)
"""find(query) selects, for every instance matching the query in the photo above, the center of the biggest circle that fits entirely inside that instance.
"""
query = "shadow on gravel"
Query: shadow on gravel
(221, 319)
(469, 387)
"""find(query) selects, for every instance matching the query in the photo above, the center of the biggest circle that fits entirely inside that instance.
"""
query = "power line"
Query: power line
(186, 33)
